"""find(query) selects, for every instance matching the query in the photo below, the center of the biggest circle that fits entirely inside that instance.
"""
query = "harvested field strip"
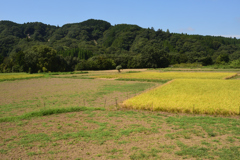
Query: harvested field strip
(47, 112)
(74, 77)
(191, 96)
(67, 73)
(144, 80)
(172, 75)
(20, 97)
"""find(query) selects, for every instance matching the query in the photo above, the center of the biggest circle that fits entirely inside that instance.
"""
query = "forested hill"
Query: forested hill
(96, 44)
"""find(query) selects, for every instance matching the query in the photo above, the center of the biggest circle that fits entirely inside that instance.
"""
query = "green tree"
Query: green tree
(105, 63)
(136, 62)
(19, 58)
(46, 57)
(222, 58)
(41, 56)
(216, 45)
(206, 61)
(1, 59)
(154, 58)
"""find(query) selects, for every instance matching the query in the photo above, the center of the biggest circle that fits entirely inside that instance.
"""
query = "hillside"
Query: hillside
(128, 45)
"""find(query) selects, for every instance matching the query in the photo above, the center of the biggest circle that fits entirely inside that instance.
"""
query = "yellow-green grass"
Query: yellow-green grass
(10, 76)
(202, 96)
(172, 75)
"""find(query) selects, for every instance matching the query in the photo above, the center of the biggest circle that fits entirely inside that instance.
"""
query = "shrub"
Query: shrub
(119, 67)
(235, 64)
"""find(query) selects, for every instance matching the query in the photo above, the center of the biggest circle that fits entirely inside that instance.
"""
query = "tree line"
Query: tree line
(96, 44)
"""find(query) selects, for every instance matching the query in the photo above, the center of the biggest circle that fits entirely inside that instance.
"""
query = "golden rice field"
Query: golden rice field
(172, 75)
(8, 76)
(204, 96)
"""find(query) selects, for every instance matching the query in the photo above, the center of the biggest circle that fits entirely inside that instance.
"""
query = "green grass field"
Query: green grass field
(120, 134)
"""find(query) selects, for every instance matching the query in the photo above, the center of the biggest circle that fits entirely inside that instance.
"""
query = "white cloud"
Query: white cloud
(237, 36)
(189, 29)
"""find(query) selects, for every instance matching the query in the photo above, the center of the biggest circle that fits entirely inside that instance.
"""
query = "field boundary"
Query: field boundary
(48, 112)
(231, 76)
(151, 100)
(125, 106)
(24, 78)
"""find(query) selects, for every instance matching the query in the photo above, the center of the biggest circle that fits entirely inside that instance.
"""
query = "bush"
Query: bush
(235, 64)
(15, 68)
(119, 67)
(187, 65)
(44, 69)
(222, 59)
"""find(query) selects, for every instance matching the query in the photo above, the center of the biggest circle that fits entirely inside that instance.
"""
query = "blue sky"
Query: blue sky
(203, 17)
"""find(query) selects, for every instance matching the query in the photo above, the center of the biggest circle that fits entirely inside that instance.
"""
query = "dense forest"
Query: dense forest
(96, 44)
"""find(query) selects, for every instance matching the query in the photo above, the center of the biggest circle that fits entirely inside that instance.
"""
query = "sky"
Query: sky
(202, 17)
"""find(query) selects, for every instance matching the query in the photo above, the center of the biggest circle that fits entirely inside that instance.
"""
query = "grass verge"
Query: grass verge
(48, 112)
(66, 73)
(144, 80)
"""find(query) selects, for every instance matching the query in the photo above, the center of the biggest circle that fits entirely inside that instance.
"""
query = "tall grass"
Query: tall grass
(144, 80)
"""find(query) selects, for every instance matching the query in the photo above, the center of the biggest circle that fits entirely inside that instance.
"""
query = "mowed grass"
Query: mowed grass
(14, 76)
(172, 75)
(191, 96)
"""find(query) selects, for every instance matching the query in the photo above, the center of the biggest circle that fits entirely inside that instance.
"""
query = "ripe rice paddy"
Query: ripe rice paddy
(204, 96)
(14, 76)
(172, 75)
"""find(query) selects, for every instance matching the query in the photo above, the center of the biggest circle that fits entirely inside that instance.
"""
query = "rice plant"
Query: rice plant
(198, 96)
(172, 75)
(14, 76)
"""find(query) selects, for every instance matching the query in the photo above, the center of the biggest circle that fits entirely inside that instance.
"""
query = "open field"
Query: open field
(69, 117)
(120, 134)
(191, 96)
(172, 75)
